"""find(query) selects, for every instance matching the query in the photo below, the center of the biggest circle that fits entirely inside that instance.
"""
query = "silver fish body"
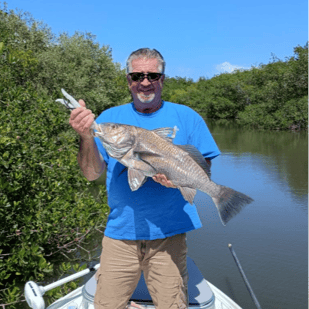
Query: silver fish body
(149, 152)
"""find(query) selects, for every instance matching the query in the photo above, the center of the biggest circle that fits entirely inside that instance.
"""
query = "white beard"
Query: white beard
(146, 98)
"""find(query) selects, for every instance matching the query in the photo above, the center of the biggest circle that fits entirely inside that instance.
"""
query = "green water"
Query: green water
(270, 235)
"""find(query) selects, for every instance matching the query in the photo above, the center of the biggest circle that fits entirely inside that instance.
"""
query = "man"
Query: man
(146, 229)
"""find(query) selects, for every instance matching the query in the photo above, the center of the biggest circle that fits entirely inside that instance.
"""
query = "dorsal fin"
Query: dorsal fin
(197, 157)
(164, 132)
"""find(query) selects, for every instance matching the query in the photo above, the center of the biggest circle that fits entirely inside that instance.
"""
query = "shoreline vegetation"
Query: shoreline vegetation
(47, 207)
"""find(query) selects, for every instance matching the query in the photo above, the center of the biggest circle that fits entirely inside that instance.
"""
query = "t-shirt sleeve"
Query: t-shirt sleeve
(202, 139)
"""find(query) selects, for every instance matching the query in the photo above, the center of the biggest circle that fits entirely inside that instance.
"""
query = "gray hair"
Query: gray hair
(148, 54)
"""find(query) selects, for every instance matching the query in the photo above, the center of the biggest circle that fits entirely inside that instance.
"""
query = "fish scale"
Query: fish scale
(169, 167)
(149, 152)
(191, 170)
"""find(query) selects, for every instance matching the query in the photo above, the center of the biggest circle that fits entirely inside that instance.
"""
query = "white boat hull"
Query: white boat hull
(202, 294)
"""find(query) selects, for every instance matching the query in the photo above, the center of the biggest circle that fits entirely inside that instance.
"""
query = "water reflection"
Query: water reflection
(269, 235)
(283, 154)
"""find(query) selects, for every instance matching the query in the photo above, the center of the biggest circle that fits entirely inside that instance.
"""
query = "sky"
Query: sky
(197, 38)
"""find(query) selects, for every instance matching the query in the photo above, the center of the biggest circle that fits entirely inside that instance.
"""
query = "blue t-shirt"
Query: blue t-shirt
(153, 211)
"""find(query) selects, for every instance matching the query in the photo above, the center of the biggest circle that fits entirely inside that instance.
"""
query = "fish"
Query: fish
(146, 153)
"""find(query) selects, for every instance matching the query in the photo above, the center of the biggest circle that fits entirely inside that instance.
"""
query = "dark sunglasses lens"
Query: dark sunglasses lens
(136, 76)
(140, 76)
(153, 76)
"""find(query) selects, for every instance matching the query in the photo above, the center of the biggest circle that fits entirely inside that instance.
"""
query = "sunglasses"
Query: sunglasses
(137, 76)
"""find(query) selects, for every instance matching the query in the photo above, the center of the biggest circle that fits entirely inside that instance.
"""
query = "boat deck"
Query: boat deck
(202, 294)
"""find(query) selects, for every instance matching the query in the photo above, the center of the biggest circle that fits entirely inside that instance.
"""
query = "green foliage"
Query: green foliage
(272, 96)
(65, 269)
(83, 68)
(292, 115)
(175, 89)
(76, 63)
(12, 294)
(45, 199)
(45, 202)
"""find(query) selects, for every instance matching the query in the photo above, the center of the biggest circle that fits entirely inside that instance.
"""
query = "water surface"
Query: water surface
(270, 235)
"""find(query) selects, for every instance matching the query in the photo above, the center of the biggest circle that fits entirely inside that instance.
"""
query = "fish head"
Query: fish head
(117, 139)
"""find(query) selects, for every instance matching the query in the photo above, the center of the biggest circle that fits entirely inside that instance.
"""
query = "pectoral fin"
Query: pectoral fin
(136, 179)
(188, 194)
(132, 160)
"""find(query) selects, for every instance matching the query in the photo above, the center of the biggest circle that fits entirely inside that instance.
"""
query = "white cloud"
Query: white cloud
(226, 67)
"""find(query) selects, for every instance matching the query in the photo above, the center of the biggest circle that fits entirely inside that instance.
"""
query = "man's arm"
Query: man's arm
(89, 158)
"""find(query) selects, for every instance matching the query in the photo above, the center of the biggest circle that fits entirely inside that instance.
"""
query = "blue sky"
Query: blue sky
(196, 37)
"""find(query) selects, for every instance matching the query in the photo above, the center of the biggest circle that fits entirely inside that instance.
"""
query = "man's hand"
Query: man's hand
(81, 120)
(161, 178)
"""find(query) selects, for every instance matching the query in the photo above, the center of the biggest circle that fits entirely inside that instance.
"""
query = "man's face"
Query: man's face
(145, 92)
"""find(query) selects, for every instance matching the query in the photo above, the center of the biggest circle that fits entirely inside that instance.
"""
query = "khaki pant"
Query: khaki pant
(163, 261)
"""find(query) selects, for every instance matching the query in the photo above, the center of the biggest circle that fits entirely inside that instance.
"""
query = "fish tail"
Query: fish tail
(229, 202)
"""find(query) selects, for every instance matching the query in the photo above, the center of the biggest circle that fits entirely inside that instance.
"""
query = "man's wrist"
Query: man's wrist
(86, 138)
